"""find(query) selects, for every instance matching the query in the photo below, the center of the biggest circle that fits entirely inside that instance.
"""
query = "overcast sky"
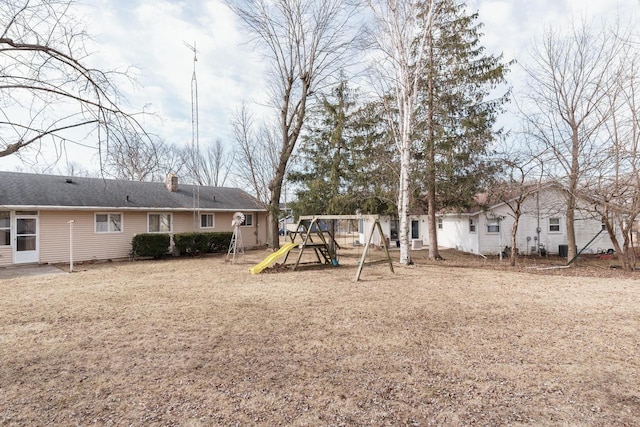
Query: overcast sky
(151, 35)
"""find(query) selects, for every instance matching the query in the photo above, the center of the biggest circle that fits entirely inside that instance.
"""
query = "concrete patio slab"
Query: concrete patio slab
(29, 270)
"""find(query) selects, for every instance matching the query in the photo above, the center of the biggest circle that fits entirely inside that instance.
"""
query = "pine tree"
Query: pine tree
(343, 165)
(457, 118)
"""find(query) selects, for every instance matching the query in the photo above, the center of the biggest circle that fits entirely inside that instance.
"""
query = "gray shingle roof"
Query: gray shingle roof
(33, 190)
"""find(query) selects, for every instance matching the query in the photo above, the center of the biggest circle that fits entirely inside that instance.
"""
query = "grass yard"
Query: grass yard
(200, 342)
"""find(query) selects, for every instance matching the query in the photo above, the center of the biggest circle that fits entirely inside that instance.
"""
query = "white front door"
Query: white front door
(25, 248)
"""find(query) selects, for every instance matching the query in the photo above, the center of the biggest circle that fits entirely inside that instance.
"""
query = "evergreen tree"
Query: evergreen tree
(375, 168)
(457, 118)
(343, 164)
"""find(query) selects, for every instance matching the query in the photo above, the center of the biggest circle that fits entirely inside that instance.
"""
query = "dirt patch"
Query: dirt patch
(203, 342)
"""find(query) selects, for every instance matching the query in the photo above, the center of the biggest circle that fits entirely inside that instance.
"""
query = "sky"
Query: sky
(152, 36)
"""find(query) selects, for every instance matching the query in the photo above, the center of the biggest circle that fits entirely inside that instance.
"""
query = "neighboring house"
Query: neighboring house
(542, 222)
(487, 231)
(286, 221)
(418, 230)
(35, 211)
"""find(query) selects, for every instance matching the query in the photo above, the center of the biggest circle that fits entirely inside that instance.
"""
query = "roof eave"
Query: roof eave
(123, 208)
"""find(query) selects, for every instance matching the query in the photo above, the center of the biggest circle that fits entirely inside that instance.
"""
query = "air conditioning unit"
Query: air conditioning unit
(416, 244)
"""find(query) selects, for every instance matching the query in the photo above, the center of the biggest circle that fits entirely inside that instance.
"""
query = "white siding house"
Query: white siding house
(488, 231)
(418, 231)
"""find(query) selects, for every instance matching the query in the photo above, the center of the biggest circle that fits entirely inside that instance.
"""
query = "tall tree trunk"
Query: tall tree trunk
(514, 233)
(432, 207)
(571, 200)
(403, 197)
(434, 254)
(275, 186)
(623, 254)
(402, 36)
(571, 231)
(273, 235)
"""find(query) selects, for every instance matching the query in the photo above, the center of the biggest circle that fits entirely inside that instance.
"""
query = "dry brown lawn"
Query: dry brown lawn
(199, 342)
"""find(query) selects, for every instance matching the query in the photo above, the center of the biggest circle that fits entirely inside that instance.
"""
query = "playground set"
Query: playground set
(316, 234)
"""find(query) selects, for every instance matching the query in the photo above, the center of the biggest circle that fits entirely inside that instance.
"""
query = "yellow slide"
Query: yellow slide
(271, 258)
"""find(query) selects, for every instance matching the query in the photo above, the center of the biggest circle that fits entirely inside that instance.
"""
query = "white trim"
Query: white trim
(245, 220)
(213, 221)
(31, 256)
(10, 228)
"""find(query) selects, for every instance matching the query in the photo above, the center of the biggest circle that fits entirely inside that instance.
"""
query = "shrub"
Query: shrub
(195, 243)
(150, 245)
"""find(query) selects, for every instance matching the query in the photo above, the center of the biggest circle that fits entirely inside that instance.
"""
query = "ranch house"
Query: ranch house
(38, 213)
(487, 230)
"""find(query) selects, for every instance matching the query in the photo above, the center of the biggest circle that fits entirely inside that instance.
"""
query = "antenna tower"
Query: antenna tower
(195, 137)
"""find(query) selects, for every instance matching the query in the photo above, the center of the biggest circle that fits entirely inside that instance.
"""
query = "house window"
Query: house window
(472, 225)
(554, 225)
(415, 229)
(160, 223)
(439, 223)
(207, 221)
(5, 228)
(493, 226)
(108, 223)
(248, 220)
(393, 229)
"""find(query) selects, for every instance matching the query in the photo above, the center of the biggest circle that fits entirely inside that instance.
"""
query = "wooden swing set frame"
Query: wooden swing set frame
(325, 247)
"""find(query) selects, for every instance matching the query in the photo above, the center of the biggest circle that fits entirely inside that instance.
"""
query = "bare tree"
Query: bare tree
(571, 76)
(401, 38)
(48, 93)
(522, 178)
(209, 167)
(134, 158)
(218, 164)
(305, 42)
(171, 159)
(256, 154)
(615, 189)
(76, 169)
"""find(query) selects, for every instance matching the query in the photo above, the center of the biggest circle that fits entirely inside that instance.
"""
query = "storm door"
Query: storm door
(25, 247)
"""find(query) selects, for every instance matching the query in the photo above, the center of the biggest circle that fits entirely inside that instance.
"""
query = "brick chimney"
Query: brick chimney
(172, 183)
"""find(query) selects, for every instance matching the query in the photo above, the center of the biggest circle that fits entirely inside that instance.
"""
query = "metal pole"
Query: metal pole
(585, 247)
(71, 245)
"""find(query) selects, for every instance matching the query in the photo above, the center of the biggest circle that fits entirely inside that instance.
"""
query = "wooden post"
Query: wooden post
(304, 242)
(375, 226)
(332, 240)
(386, 248)
(364, 252)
